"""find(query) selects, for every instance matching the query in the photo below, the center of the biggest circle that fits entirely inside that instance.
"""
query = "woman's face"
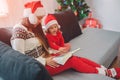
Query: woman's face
(53, 29)
(39, 21)
(26, 22)
(35, 25)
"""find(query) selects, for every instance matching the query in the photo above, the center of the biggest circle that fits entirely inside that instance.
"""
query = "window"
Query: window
(3, 8)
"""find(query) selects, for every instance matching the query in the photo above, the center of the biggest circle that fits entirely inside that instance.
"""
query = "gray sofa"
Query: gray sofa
(98, 45)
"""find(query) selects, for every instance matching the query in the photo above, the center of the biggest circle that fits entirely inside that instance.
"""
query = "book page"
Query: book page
(63, 58)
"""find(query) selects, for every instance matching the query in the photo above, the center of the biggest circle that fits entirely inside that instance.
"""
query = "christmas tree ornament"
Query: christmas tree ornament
(80, 4)
(76, 13)
(72, 3)
(59, 7)
(65, 2)
(81, 11)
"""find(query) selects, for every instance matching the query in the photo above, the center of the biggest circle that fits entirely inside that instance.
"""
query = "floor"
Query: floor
(116, 62)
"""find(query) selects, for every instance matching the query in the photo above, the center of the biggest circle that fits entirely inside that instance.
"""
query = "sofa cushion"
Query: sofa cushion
(99, 45)
(17, 66)
(69, 24)
(5, 35)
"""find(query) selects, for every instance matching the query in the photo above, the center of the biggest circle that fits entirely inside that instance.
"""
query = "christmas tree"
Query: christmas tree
(79, 7)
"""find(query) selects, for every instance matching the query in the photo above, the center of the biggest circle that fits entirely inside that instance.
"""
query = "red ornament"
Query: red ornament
(59, 7)
(76, 13)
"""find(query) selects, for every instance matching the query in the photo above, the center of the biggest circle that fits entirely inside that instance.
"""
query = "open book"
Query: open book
(63, 58)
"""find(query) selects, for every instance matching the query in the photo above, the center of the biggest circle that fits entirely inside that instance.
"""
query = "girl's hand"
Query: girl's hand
(51, 62)
(62, 49)
(68, 46)
(65, 49)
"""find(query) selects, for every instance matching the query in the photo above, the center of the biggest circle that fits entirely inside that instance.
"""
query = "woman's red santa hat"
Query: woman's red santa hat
(50, 20)
(32, 10)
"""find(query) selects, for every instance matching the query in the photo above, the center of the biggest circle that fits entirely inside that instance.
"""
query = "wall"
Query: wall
(106, 11)
(16, 10)
(50, 5)
(15, 13)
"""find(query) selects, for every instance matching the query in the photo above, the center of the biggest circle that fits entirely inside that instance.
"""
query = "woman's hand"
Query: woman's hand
(51, 62)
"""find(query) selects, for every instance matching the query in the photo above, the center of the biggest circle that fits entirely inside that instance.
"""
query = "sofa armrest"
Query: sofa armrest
(5, 35)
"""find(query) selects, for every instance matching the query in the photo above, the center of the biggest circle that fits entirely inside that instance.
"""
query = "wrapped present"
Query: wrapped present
(91, 22)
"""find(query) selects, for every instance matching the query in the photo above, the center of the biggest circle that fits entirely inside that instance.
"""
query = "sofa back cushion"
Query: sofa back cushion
(69, 24)
(5, 35)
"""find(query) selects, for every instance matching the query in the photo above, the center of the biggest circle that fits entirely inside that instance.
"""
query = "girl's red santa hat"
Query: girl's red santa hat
(50, 20)
(32, 10)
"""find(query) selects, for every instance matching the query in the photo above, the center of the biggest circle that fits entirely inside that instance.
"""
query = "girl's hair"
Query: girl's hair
(38, 31)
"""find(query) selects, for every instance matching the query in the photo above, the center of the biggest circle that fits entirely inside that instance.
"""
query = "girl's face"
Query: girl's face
(53, 29)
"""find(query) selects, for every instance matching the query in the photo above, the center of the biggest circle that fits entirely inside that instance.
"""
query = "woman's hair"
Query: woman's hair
(38, 31)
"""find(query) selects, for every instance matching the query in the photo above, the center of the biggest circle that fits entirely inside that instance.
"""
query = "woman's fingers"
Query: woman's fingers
(51, 62)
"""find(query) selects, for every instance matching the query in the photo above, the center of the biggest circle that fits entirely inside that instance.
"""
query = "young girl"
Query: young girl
(54, 35)
(56, 40)
(29, 39)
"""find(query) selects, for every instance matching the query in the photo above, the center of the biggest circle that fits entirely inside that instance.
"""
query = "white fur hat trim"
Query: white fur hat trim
(40, 12)
(51, 23)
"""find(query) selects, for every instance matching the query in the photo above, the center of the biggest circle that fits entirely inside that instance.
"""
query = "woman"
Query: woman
(29, 39)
